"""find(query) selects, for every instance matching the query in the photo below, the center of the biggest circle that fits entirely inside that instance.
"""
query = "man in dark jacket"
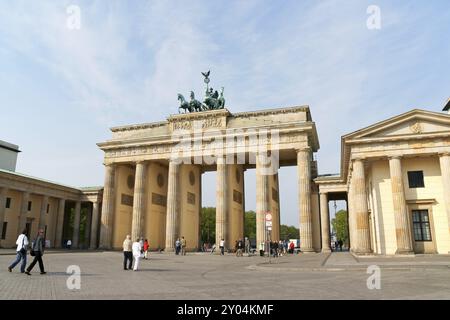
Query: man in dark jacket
(38, 250)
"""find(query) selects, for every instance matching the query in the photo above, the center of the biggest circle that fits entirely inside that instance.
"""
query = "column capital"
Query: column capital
(323, 193)
(306, 149)
(399, 157)
(110, 165)
(140, 161)
(444, 154)
(359, 158)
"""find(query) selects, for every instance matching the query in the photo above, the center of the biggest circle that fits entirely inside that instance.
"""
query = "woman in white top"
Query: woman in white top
(136, 254)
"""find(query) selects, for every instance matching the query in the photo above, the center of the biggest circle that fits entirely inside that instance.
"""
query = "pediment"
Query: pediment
(415, 122)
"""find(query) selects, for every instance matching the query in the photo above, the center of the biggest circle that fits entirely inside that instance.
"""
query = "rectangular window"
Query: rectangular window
(415, 179)
(48, 207)
(8, 203)
(5, 225)
(29, 205)
(421, 225)
(28, 228)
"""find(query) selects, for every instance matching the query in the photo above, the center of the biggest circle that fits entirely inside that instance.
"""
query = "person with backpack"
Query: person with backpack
(37, 250)
(21, 252)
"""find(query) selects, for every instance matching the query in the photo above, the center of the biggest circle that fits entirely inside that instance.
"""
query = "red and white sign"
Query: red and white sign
(268, 216)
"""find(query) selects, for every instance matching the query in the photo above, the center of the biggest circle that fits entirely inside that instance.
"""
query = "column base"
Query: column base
(404, 252)
(362, 252)
(169, 249)
(307, 250)
(326, 250)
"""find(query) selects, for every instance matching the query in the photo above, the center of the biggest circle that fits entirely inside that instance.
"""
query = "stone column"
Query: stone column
(262, 198)
(444, 160)
(3, 192)
(139, 201)
(402, 228)
(43, 212)
(221, 203)
(107, 218)
(304, 195)
(76, 224)
(23, 212)
(87, 228)
(60, 223)
(325, 222)
(173, 206)
(361, 209)
(94, 225)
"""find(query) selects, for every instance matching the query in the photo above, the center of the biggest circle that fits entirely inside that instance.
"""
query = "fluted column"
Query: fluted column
(325, 222)
(262, 197)
(138, 201)
(304, 195)
(60, 223)
(87, 228)
(361, 209)
(3, 192)
(42, 215)
(94, 225)
(173, 206)
(76, 224)
(23, 212)
(221, 203)
(107, 208)
(444, 160)
(402, 228)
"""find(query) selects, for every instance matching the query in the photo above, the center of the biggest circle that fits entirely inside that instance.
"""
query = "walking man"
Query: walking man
(37, 249)
(183, 246)
(127, 254)
(21, 252)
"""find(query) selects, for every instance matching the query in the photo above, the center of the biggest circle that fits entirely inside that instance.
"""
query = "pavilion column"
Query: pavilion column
(402, 228)
(139, 201)
(23, 212)
(42, 217)
(94, 225)
(107, 218)
(87, 228)
(325, 222)
(60, 223)
(304, 190)
(361, 209)
(173, 206)
(76, 224)
(444, 160)
(222, 204)
(3, 192)
(262, 197)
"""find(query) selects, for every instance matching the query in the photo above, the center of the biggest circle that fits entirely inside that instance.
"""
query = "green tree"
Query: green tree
(208, 225)
(340, 226)
(250, 225)
(289, 232)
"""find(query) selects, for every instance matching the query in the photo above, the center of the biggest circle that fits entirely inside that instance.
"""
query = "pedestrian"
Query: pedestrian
(213, 248)
(240, 246)
(222, 247)
(247, 245)
(37, 250)
(137, 253)
(340, 242)
(291, 247)
(261, 249)
(183, 246)
(127, 253)
(177, 246)
(146, 245)
(69, 244)
(21, 252)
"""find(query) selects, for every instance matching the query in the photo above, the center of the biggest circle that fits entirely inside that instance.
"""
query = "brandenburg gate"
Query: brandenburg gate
(153, 173)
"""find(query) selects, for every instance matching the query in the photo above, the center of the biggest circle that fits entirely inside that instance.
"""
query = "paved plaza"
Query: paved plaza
(206, 276)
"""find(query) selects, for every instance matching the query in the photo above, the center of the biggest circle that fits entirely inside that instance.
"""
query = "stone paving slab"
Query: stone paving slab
(205, 276)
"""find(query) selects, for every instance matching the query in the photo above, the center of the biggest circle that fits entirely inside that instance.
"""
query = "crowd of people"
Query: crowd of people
(137, 250)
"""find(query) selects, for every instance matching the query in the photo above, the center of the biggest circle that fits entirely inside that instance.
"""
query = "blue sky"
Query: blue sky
(61, 89)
